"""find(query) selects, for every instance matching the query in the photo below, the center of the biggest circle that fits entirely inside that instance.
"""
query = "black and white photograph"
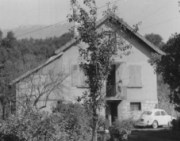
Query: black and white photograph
(89, 70)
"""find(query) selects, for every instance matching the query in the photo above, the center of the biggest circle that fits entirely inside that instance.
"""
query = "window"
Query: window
(147, 113)
(157, 113)
(163, 113)
(135, 106)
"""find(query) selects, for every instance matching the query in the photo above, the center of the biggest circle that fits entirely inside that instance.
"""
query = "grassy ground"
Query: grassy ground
(152, 135)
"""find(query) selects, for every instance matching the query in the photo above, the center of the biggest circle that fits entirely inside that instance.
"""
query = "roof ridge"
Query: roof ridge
(99, 23)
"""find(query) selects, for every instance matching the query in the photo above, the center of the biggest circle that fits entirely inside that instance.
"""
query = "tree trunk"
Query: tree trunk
(95, 126)
(3, 112)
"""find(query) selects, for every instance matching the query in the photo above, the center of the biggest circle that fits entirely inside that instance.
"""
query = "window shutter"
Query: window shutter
(135, 76)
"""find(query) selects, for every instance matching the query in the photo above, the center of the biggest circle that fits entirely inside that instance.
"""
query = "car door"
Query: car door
(165, 118)
(158, 117)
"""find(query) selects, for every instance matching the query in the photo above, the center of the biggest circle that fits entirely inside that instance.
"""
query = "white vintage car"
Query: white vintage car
(154, 118)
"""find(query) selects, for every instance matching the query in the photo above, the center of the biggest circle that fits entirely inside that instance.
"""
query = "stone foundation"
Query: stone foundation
(124, 111)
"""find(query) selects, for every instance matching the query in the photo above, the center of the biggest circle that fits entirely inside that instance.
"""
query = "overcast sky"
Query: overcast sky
(157, 16)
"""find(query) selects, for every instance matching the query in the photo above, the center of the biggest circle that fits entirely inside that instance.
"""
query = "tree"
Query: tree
(36, 90)
(7, 54)
(97, 57)
(168, 66)
(163, 96)
(156, 39)
(163, 89)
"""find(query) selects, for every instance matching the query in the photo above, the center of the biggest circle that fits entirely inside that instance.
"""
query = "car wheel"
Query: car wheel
(155, 124)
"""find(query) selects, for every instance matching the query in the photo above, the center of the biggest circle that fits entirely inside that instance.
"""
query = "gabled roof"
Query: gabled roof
(68, 45)
(53, 58)
(121, 22)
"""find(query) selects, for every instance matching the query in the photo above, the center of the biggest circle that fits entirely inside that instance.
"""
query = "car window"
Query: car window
(163, 113)
(147, 113)
(157, 113)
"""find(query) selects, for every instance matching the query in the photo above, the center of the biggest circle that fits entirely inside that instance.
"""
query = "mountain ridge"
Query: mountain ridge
(39, 31)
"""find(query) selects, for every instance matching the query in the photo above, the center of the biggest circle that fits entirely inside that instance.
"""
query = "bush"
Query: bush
(103, 125)
(120, 129)
(68, 122)
(77, 121)
(176, 124)
(31, 126)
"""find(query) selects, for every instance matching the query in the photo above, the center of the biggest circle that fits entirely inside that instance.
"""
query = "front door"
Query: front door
(114, 111)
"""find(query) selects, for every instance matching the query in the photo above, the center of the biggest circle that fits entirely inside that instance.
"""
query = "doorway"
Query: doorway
(114, 111)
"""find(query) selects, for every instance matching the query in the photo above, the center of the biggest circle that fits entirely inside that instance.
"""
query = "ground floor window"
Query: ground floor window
(135, 106)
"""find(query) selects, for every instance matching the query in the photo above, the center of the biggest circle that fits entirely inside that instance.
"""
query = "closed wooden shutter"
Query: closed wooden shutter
(135, 76)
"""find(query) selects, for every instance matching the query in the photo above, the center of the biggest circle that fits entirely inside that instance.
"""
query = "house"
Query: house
(132, 79)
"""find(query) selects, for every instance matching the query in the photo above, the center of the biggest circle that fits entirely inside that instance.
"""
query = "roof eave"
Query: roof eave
(36, 69)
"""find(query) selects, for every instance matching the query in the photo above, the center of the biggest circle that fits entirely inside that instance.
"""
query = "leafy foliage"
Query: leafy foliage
(168, 66)
(22, 55)
(18, 56)
(156, 39)
(28, 126)
(97, 56)
(176, 124)
(163, 89)
(68, 122)
(164, 97)
(76, 119)
(120, 129)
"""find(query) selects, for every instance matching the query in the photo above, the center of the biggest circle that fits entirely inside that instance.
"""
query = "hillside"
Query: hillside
(39, 31)
(20, 55)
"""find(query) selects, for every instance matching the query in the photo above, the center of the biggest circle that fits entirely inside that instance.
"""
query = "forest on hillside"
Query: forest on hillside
(19, 56)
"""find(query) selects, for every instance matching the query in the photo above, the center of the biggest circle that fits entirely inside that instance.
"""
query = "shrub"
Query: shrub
(176, 124)
(68, 122)
(77, 121)
(102, 123)
(120, 129)
(31, 126)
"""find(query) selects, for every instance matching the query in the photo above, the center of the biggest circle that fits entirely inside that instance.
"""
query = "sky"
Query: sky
(156, 16)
